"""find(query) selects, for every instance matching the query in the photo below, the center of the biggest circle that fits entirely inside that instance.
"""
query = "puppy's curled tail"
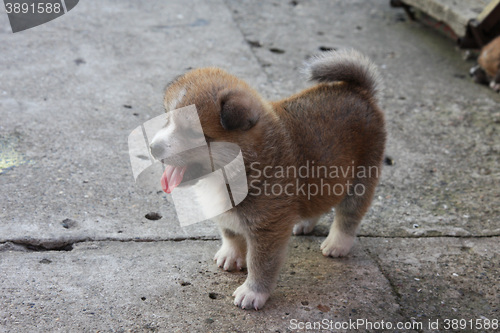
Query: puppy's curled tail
(345, 65)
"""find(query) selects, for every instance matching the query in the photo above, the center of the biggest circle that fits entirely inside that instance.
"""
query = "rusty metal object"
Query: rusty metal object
(407, 8)
(482, 30)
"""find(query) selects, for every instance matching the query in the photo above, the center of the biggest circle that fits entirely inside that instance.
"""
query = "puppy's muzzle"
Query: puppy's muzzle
(159, 149)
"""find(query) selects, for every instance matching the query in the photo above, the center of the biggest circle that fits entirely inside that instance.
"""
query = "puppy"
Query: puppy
(303, 155)
(488, 69)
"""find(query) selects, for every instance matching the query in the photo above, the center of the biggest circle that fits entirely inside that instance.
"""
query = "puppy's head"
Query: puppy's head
(228, 111)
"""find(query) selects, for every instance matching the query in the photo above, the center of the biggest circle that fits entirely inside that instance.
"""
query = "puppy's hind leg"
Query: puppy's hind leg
(348, 215)
(232, 253)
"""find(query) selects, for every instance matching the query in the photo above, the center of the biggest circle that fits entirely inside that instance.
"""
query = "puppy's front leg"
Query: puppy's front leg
(266, 253)
(232, 253)
(495, 83)
(479, 75)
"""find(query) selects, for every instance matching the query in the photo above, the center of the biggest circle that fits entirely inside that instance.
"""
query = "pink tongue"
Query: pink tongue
(172, 177)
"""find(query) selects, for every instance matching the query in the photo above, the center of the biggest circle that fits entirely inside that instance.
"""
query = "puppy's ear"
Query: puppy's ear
(239, 109)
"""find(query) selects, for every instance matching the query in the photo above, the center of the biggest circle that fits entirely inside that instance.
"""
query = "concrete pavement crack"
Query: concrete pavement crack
(261, 64)
(393, 286)
(318, 234)
(38, 245)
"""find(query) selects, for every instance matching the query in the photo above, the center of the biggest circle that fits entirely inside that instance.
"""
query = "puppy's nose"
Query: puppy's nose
(158, 149)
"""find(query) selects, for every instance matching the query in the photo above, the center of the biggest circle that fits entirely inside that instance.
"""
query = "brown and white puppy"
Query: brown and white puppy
(335, 125)
(488, 70)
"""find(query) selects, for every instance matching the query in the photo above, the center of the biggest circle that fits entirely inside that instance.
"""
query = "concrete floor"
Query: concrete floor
(77, 253)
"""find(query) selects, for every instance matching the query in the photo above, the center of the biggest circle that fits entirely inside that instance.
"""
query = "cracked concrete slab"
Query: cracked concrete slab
(442, 278)
(176, 287)
(75, 146)
(76, 250)
(73, 89)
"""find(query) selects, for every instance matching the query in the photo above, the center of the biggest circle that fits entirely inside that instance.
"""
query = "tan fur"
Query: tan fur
(489, 59)
(488, 70)
(332, 124)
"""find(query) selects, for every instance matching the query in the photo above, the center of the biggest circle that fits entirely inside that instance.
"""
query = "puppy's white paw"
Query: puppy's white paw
(304, 227)
(473, 70)
(495, 86)
(230, 258)
(246, 298)
(337, 244)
